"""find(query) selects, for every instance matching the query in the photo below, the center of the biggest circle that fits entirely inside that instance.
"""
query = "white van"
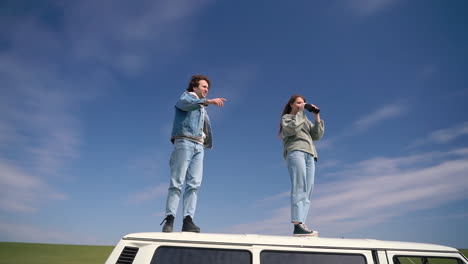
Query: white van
(193, 248)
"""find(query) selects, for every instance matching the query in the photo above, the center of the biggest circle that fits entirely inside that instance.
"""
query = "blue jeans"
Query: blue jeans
(301, 167)
(186, 166)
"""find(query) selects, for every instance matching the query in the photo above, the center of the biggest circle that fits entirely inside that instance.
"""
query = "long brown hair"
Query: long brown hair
(287, 109)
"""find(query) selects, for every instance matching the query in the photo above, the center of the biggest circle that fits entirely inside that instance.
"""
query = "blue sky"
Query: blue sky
(87, 96)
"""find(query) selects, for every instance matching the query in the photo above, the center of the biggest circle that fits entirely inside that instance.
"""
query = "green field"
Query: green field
(464, 251)
(26, 253)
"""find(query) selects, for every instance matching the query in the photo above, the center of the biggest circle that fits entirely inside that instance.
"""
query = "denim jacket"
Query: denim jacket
(191, 120)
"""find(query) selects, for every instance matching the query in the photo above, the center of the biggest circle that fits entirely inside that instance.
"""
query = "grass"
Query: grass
(26, 253)
(464, 251)
(431, 260)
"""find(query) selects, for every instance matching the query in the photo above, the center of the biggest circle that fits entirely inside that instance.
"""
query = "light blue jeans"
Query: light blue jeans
(301, 167)
(186, 166)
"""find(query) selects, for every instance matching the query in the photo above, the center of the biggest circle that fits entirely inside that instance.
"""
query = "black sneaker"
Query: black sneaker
(169, 225)
(302, 230)
(189, 226)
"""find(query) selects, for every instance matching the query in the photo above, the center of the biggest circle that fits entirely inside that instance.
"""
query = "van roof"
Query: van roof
(283, 241)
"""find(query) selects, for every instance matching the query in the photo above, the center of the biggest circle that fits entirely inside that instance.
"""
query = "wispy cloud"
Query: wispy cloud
(375, 191)
(364, 123)
(148, 194)
(28, 233)
(427, 70)
(152, 164)
(232, 84)
(39, 134)
(23, 192)
(273, 198)
(443, 136)
(380, 115)
(126, 36)
(369, 7)
(39, 131)
(49, 72)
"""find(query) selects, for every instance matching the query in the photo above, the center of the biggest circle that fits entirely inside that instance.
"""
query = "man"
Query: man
(191, 133)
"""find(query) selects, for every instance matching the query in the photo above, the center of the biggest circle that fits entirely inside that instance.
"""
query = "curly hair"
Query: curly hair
(195, 80)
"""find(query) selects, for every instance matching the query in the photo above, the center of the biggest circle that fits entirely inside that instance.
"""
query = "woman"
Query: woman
(298, 135)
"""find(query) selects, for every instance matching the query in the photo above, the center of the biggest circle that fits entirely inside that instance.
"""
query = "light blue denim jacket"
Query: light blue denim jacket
(191, 120)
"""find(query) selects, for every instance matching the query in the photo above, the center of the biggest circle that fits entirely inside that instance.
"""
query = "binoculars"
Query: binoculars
(311, 109)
